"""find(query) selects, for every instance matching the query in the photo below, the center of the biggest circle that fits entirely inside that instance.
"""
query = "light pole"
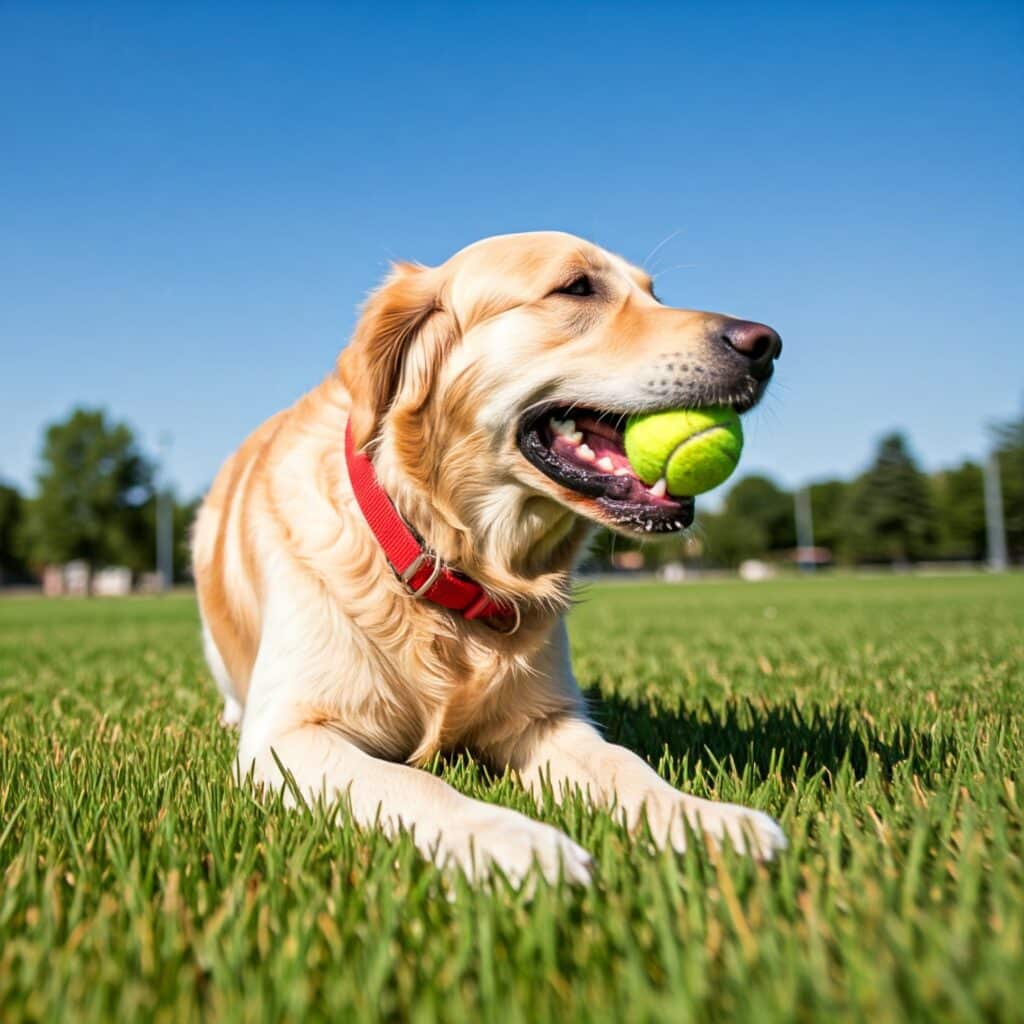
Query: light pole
(164, 516)
(804, 529)
(995, 526)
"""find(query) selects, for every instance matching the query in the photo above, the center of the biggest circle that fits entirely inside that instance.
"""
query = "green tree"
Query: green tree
(890, 515)
(92, 490)
(12, 512)
(756, 520)
(960, 508)
(828, 500)
(759, 501)
(1009, 439)
(727, 540)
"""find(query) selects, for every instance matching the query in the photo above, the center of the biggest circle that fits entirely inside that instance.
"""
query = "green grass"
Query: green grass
(881, 720)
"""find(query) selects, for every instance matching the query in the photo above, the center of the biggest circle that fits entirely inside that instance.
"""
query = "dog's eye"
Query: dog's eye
(580, 286)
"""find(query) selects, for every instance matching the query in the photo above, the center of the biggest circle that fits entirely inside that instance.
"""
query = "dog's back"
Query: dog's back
(222, 551)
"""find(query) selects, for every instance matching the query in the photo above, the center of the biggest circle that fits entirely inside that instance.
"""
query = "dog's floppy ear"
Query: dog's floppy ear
(404, 310)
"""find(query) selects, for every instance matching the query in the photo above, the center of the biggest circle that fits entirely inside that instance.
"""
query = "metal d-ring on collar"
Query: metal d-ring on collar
(515, 625)
(425, 556)
(414, 567)
(417, 594)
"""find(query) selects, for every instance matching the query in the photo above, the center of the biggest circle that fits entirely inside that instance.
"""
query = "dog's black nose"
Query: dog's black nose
(756, 342)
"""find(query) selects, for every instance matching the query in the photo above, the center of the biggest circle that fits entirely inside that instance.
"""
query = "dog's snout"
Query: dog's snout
(756, 342)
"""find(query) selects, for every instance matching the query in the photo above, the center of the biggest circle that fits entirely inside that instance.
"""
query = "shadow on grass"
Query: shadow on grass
(749, 734)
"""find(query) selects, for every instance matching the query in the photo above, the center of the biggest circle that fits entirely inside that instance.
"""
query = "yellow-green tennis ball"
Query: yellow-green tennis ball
(693, 449)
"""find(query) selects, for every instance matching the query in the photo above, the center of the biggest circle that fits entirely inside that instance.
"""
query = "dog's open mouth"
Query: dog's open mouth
(583, 450)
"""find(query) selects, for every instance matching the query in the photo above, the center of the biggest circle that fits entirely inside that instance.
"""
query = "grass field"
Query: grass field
(882, 720)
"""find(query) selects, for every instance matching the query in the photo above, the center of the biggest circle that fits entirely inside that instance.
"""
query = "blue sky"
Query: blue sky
(194, 198)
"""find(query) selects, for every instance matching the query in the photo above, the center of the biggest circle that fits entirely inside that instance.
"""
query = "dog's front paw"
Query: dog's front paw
(748, 831)
(511, 842)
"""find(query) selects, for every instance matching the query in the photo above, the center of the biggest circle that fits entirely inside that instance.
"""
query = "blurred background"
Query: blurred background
(195, 199)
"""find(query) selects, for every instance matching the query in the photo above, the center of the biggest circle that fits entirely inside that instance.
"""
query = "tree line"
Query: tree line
(96, 490)
(893, 513)
(95, 501)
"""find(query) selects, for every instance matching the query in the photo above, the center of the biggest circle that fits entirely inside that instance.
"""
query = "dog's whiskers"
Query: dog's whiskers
(668, 238)
(668, 270)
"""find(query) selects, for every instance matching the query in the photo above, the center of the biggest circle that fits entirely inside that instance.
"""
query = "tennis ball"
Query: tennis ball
(693, 449)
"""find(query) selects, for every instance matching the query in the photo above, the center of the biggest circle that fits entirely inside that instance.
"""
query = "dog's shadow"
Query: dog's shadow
(782, 738)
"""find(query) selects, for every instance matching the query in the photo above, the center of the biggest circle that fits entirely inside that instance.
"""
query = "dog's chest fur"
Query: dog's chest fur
(423, 687)
(407, 679)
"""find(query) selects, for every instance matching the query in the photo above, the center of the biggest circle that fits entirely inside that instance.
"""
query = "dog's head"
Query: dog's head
(464, 377)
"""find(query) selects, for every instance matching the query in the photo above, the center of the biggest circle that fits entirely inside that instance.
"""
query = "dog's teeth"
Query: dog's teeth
(586, 453)
(565, 429)
(605, 464)
(622, 471)
(660, 489)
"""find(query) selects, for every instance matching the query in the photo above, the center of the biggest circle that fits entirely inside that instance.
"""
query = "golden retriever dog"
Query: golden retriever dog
(478, 409)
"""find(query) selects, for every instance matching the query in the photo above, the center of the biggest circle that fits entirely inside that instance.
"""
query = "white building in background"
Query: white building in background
(753, 570)
(76, 579)
(674, 572)
(53, 580)
(114, 581)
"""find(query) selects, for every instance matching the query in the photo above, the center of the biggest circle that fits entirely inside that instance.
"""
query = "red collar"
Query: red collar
(419, 568)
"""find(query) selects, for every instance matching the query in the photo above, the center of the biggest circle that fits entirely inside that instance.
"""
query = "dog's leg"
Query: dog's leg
(570, 753)
(566, 751)
(297, 668)
(445, 825)
(233, 710)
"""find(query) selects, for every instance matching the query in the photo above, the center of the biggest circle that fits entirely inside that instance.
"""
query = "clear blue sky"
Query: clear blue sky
(195, 197)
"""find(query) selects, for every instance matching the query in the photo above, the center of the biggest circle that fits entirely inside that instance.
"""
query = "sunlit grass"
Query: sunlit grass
(881, 720)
